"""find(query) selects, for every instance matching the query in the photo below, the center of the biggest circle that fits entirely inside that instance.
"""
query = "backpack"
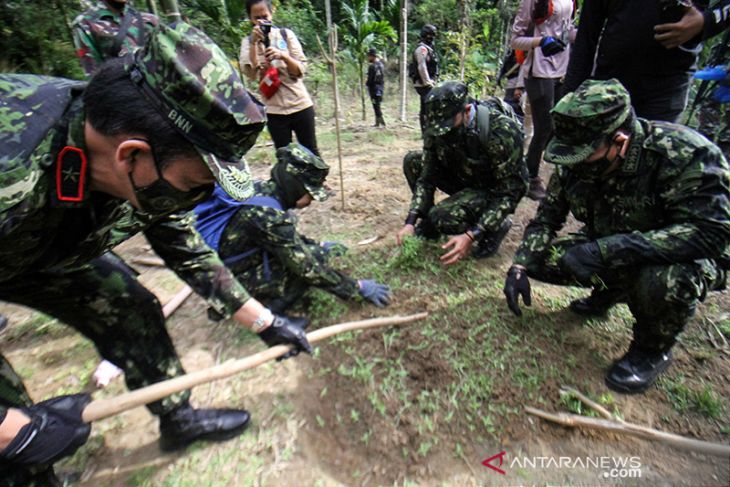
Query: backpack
(485, 108)
(214, 215)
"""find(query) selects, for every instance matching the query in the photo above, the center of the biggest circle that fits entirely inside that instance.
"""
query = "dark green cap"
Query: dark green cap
(582, 118)
(190, 81)
(306, 167)
(442, 104)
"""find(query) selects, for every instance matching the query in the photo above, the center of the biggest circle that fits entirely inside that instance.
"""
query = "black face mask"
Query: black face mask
(592, 171)
(162, 198)
(456, 134)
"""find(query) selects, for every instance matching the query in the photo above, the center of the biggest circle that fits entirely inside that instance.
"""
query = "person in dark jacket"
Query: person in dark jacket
(650, 46)
(376, 84)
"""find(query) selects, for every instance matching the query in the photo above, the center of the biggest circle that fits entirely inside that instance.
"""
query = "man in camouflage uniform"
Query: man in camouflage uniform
(473, 152)
(83, 168)
(655, 201)
(258, 240)
(109, 29)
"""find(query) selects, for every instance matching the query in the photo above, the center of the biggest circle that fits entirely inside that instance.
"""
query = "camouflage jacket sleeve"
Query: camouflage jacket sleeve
(276, 232)
(422, 200)
(88, 54)
(184, 251)
(541, 230)
(695, 197)
(504, 150)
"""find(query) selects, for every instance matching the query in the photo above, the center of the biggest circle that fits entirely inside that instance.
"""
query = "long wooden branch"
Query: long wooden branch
(625, 428)
(104, 408)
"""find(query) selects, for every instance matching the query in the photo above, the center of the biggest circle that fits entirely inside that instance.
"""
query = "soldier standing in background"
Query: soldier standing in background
(424, 67)
(655, 200)
(376, 85)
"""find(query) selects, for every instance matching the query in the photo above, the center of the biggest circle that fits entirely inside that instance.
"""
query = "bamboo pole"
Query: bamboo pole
(104, 408)
(331, 59)
(625, 428)
(404, 62)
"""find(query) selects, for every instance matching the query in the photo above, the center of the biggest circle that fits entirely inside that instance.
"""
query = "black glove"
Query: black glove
(549, 45)
(583, 261)
(287, 331)
(376, 293)
(517, 284)
(55, 431)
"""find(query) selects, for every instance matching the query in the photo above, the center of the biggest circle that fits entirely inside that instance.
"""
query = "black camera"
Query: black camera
(265, 26)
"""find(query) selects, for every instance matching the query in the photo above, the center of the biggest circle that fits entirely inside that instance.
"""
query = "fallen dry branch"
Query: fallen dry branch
(104, 408)
(625, 428)
(590, 403)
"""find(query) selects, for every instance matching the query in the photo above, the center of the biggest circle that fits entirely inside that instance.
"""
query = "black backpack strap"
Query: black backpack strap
(483, 116)
(124, 28)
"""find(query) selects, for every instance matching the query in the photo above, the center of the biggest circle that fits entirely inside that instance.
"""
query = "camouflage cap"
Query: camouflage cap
(188, 78)
(582, 118)
(442, 104)
(306, 167)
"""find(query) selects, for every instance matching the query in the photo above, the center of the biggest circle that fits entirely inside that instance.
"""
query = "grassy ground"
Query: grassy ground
(423, 404)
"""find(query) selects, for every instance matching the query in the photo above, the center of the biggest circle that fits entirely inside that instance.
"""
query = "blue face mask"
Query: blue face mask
(162, 198)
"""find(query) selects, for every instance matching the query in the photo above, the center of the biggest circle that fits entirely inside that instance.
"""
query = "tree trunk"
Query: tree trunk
(152, 7)
(171, 9)
(403, 60)
(360, 67)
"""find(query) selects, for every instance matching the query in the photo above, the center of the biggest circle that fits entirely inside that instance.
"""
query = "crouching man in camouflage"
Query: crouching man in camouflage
(654, 198)
(258, 239)
(82, 168)
(473, 152)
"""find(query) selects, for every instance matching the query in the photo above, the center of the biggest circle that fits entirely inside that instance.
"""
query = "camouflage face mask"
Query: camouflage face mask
(162, 198)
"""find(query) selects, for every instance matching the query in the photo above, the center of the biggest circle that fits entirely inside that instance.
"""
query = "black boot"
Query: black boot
(598, 303)
(637, 370)
(381, 122)
(489, 246)
(185, 425)
(537, 190)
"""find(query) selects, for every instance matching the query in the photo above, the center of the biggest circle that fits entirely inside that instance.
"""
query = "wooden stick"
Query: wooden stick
(178, 299)
(150, 261)
(625, 428)
(103, 408)
(591, 404)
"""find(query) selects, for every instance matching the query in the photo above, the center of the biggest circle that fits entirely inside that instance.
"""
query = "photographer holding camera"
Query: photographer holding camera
(273, 57)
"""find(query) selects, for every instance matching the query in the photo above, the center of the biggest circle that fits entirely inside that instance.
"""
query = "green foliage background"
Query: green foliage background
(35, 35)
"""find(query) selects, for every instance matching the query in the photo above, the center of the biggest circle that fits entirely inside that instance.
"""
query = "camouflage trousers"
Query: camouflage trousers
(270, 281)
(714, 123)
(662, 298)
(455, 214)
(104, 301)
